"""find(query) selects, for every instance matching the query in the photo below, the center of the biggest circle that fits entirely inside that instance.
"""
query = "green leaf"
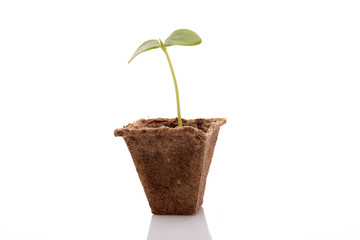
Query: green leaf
(146, 46)
(183, 37)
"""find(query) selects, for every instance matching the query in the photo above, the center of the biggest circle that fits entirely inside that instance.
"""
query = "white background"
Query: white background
(284, 73)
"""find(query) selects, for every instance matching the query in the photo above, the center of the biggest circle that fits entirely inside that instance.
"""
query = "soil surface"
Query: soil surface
(145, 125)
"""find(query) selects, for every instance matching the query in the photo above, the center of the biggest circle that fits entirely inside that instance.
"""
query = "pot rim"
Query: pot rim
(138, 128)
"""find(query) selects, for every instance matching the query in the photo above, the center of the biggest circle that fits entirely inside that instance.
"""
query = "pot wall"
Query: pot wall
(173, 166)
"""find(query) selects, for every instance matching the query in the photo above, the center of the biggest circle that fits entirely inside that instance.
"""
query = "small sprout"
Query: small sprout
(183, 37)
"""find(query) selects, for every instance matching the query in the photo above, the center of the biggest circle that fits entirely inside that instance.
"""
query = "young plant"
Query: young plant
(183, 37)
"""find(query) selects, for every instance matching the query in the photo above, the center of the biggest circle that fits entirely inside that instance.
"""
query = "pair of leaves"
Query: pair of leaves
(183, 37)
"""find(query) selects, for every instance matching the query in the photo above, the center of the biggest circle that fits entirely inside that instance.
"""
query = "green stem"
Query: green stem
(175, 83)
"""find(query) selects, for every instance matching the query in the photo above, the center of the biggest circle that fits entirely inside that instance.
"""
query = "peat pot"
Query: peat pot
(172, 162)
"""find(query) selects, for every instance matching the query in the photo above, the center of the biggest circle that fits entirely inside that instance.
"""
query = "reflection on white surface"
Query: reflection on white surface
(179, 227)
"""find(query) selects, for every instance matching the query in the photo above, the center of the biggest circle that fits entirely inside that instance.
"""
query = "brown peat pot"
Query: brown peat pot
(172, 162)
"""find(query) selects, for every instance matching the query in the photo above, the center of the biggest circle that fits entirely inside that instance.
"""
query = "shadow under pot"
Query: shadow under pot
(172, 162)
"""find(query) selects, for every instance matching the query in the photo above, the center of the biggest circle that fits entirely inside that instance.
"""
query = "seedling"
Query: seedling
(183, 37)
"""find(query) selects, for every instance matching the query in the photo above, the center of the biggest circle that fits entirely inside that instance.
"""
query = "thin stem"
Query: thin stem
(175, 83)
